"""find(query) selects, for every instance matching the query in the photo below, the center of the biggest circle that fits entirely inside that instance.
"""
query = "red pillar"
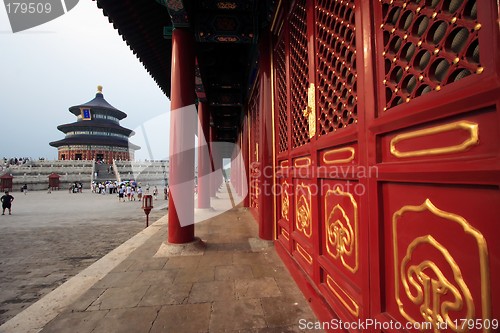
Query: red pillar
(182, 130)
(213, 186)
(266, 197)
(244, 151)
(236, 163)
(217, 157)
(240, 166)
(204, 164)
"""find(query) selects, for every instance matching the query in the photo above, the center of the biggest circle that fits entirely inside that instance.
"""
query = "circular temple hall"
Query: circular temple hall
(96, 134)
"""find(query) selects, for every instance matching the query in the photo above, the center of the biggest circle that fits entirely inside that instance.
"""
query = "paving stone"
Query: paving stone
(190, 318)
(199, 274)
(232, 272)
(288, 286)
(77, 322)
(256, 288)
(216, 259)
(84, 301)
(155, 277)
(121, 279)
(269, 270)
(211, 291)
(145, 264)
(135, 320)
(250, 258)
(182, 262)
(166, 294)
(285, 311)
(124, 266)
(237, 314)
(114, 298)
(226, 246)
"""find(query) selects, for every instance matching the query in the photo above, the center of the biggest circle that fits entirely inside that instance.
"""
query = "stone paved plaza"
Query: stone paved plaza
(52, 237)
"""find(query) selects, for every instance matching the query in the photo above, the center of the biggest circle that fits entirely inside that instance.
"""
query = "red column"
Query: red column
(266, 196)
(217, 158)
(204, 164)
(182, 130)
(240, 167)
(213, 186)
(244, 151)
(236, 169)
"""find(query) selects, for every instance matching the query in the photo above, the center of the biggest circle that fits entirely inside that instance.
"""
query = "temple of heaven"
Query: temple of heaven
(96, 134)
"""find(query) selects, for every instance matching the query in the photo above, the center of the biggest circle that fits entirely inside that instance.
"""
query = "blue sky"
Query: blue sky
(47, 69)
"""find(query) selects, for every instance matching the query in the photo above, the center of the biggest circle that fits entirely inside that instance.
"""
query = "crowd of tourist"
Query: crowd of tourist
(6, 163)
(126, 191)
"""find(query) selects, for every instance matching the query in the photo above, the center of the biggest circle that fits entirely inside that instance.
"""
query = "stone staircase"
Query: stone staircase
(104, 172)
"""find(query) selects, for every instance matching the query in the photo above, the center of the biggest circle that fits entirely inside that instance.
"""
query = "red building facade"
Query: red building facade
(369, 131)
(386, 158)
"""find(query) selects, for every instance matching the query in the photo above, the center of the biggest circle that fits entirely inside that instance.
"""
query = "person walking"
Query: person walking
(7, 202)
(139, 194)
(155, 193)
(121, 194)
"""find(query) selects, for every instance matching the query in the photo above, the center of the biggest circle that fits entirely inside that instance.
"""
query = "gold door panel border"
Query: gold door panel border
(302, 162)
(472, 128)
(328, 160)
(345, 299)
(285, 234)
(284, 164)
(429, 307)
(303, 218)
(342, 240)
(304, 253)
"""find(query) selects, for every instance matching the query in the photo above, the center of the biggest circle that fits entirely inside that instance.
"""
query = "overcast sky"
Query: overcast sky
(47, 69)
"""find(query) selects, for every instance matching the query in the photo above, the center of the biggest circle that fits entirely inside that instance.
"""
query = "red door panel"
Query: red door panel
(440, 253)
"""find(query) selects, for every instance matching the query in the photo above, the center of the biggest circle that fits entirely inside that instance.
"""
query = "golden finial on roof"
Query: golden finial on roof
(99, 89)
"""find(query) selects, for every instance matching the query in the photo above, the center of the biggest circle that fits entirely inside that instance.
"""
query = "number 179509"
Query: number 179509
(28, 8)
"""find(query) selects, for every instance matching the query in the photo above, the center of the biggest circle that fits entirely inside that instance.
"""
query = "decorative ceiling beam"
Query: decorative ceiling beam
(199, 88)
(177, 12)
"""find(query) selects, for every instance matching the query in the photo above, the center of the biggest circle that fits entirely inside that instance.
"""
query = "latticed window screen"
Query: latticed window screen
(428, 44)
(336, 65)
(281, 100)
(299, 70)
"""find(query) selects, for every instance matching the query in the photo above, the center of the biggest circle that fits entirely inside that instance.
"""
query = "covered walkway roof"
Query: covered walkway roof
(226, 36)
